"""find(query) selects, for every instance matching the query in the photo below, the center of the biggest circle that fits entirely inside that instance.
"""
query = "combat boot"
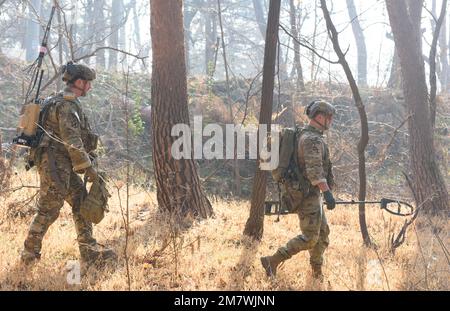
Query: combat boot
(97, 254)
(29, 258)
(317, 273)
(271, 263)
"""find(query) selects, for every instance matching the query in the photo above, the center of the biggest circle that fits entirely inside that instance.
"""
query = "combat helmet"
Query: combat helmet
(319, 106)
(72, 72)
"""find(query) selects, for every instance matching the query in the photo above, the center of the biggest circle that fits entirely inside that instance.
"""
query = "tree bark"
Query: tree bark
(364, 139)
(360, 43)
(254, 227)
(295, 32)
(429, 186)
(177, 182)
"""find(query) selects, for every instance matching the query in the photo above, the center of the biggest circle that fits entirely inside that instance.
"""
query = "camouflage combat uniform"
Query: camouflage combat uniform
(58, 158)
(314, 156)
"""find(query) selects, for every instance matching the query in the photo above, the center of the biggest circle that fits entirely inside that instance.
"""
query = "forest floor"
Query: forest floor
(214, 255)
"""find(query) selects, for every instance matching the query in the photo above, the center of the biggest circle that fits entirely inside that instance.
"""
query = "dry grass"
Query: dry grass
(213, 255)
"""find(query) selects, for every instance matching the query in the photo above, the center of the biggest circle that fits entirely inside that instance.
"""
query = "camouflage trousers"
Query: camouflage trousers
(314, 229)
(58, 183)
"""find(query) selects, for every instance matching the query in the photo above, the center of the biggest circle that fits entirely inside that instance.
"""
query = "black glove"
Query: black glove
(331, 202)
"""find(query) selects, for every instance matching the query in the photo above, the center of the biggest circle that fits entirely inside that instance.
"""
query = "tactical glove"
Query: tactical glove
(331, 202)
(91, 174)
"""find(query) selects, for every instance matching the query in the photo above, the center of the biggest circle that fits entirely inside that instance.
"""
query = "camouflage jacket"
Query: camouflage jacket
(69, 130)
(314, 157)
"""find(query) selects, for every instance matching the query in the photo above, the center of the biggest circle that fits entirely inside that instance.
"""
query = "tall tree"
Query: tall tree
(255, 223)
(360, 43)
(178, 185)
(99, 31)
(32, 34)
(190, 10)
(427, 182)
(210, 35)
(117, 14)
(364, 139)
(295, 33)
(259, 14)
(443, 77)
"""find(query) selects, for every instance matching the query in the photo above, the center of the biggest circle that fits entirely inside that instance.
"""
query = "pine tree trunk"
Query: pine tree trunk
(178, 185)
(428, 183)
(255, 224)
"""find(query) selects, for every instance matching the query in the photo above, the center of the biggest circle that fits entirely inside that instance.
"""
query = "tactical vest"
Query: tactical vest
(48, 129)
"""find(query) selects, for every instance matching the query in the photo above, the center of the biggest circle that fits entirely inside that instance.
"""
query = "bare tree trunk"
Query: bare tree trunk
(360, 43)
(295, 32)
(116, 19)
(364, 139)
(137, 27)
(432, 59)
(255, 224)
(210, 36)
(443, 78)
(189, 13)
(32, 34)
(260, 20)
(99, 32)
(395, 79)
(229, 104)
(428, 183)
(178, 185)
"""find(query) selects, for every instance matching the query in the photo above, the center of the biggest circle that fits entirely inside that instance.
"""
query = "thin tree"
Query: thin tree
(255, 224)
(300, 84)
(177, 182)
(259, 14)
(364, 139)
(360, 43)
(432, 60)
(427, 181)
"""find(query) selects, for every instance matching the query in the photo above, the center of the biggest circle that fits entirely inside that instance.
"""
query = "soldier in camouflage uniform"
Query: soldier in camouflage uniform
(313, 159)
(65, 150)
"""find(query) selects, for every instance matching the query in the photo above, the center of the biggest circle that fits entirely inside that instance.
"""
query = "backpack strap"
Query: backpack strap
(303, 183)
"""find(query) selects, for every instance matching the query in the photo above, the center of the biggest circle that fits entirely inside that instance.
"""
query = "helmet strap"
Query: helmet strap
(324, 128)
(83, 93)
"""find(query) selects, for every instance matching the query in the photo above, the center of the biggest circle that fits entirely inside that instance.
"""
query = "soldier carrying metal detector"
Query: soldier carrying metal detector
(305, 176)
